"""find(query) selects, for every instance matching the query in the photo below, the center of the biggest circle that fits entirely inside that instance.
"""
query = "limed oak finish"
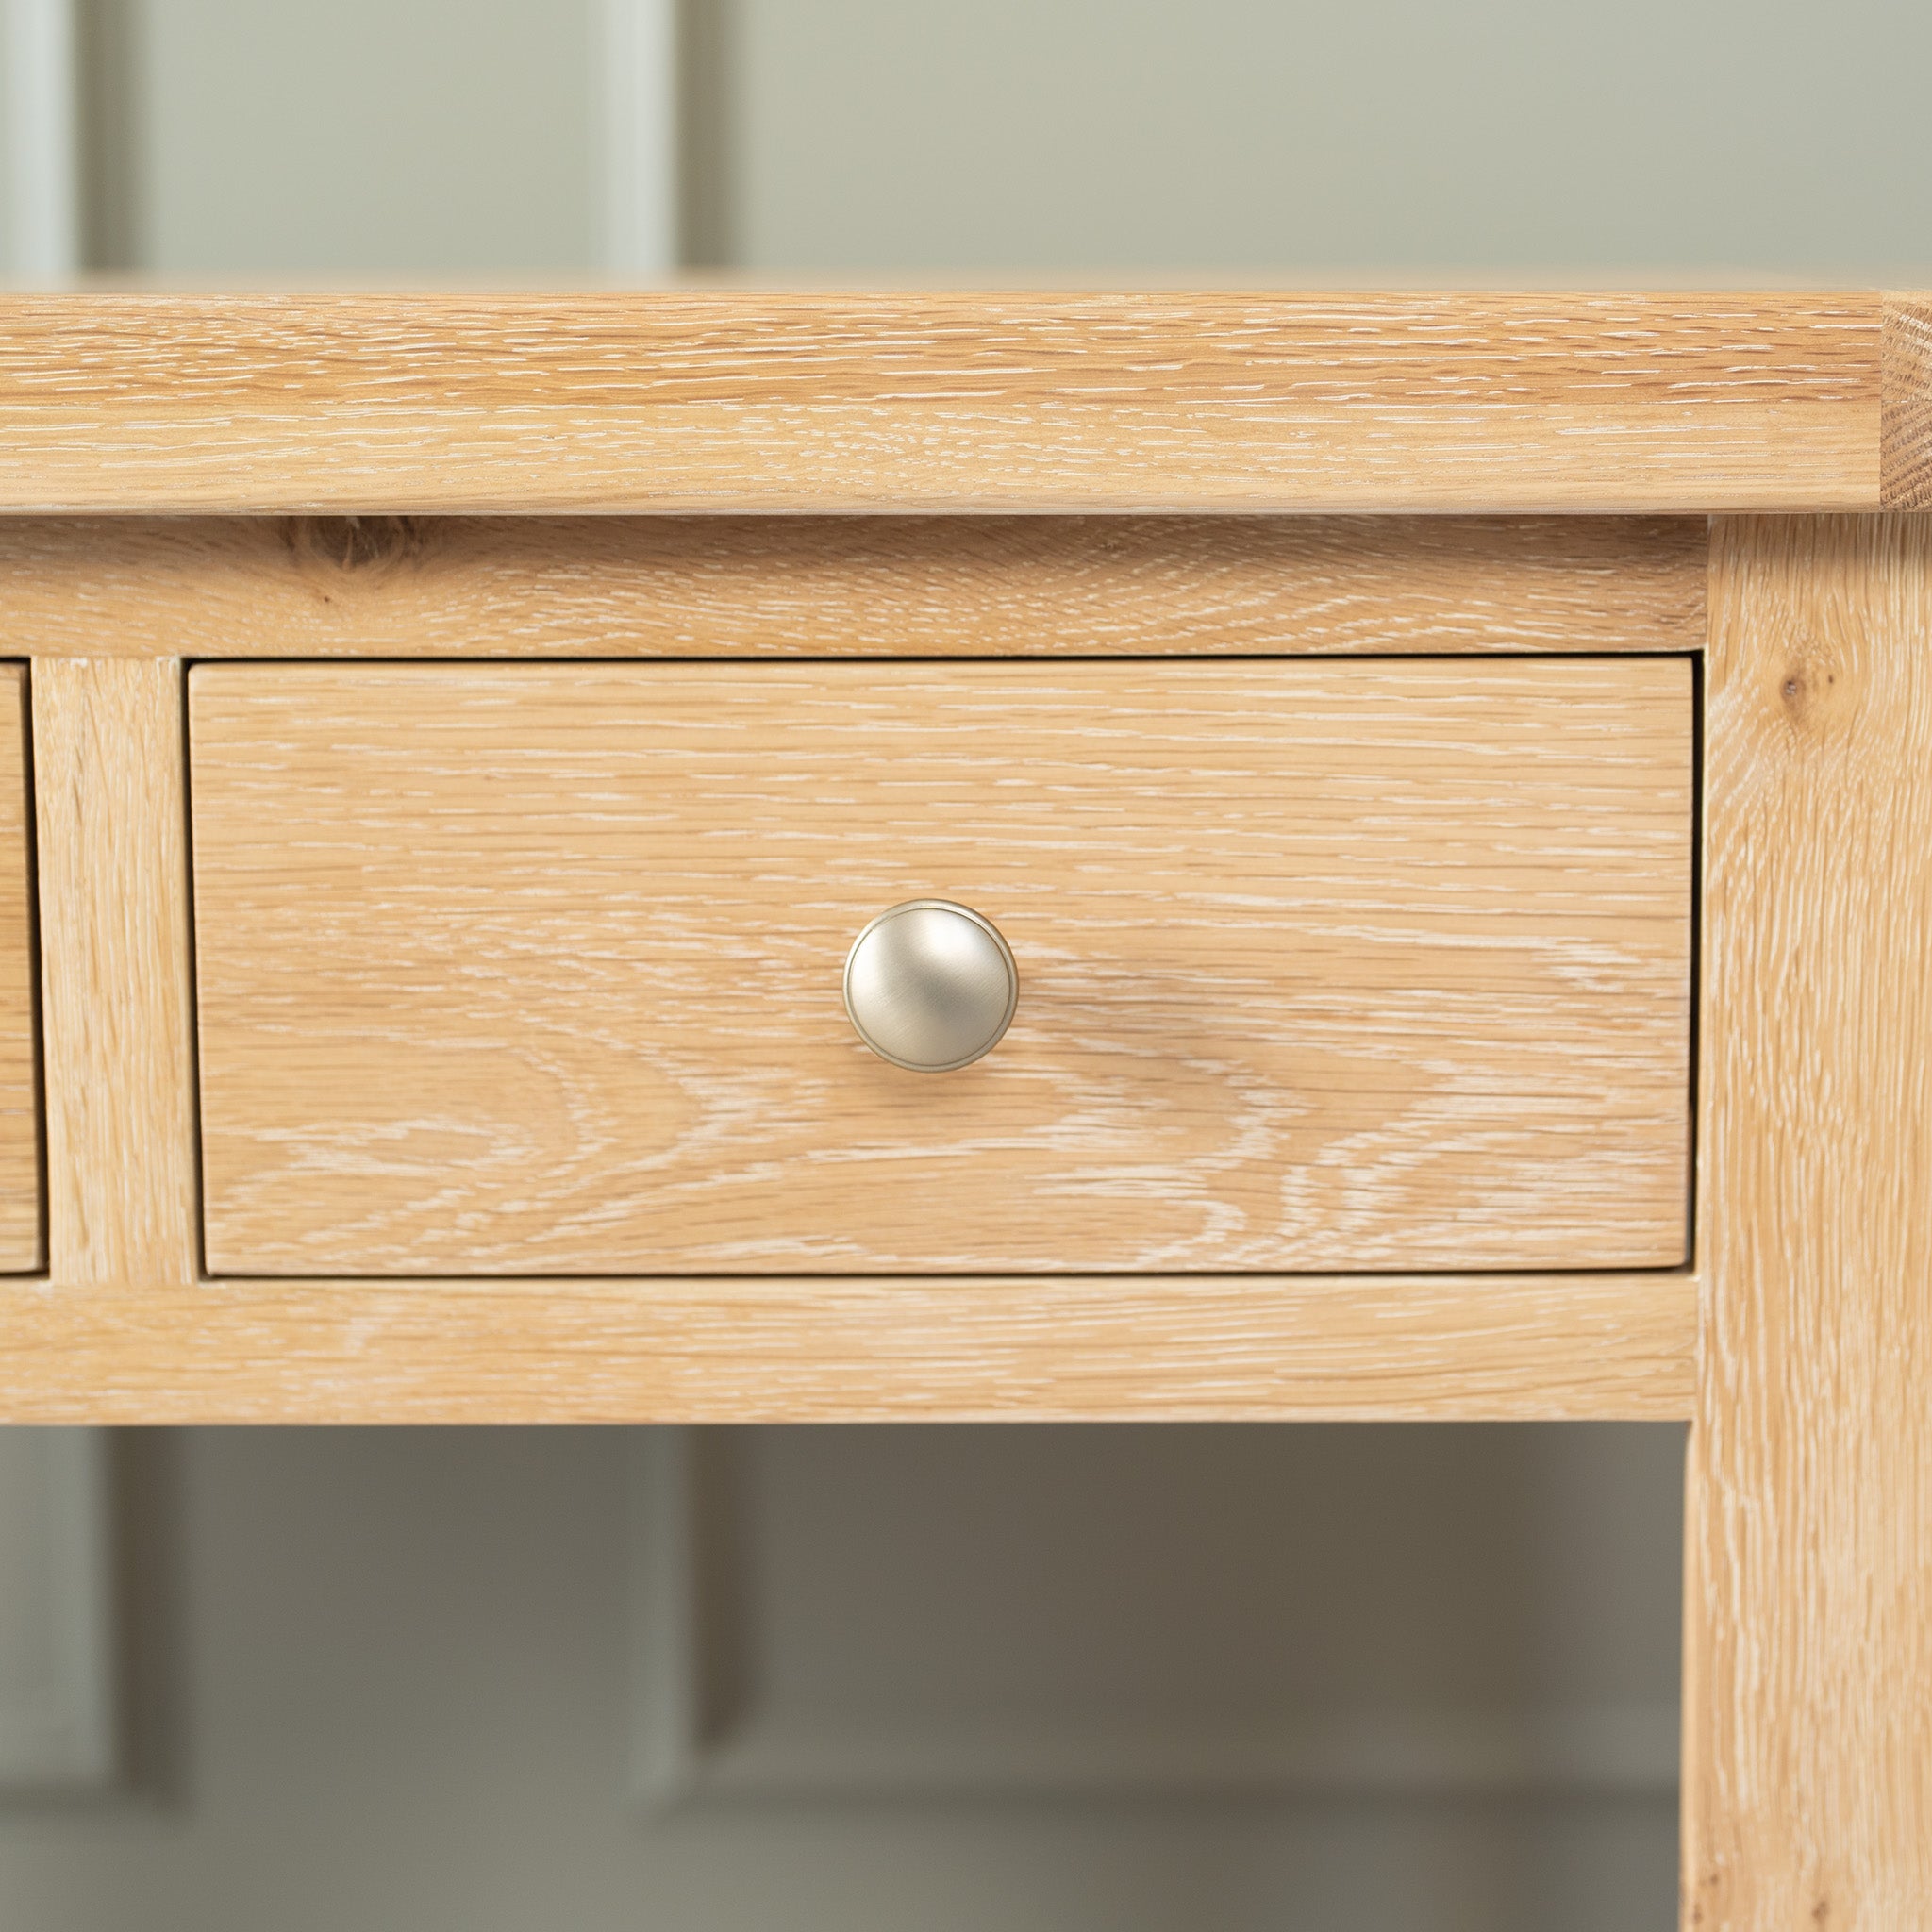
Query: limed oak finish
(20, 1135)
(847, 587)
(781, 402)
(130, 1325)
(1151, 443)
(1376, 964)
(1808, 1627)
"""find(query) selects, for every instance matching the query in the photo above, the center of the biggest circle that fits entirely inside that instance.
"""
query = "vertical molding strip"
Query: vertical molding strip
(38, 125)
(637, 92)
(664, 1708)
(58, 1726)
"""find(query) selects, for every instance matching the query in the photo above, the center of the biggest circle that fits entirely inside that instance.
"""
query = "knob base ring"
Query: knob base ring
(993, 1034)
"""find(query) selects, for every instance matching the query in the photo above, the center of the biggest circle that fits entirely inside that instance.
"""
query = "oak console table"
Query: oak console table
(1439, 786)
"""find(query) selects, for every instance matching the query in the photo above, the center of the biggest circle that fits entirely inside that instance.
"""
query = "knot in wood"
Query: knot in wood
(355, 544)
(1814, 695)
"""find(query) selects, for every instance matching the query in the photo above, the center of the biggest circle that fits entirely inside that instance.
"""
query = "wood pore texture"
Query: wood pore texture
(20, 1113)
(1906, 457)
(759, 401)
(823, 587)
(1179, 1348)
(120, 1150)
(442, 915)
(1809, 1655)
(126, 1330)
(1367, 964)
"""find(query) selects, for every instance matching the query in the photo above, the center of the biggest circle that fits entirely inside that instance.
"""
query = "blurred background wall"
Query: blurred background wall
(964, 1680)
(413, 138)
(1408, 1679)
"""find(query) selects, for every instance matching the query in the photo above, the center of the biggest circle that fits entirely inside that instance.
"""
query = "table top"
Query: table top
(773, 401)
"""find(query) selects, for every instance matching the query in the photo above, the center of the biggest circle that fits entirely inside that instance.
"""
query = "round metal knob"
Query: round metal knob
(930, 985)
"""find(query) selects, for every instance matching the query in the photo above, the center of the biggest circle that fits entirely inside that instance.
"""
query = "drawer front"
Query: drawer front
(1323, 964)
(20, 1130)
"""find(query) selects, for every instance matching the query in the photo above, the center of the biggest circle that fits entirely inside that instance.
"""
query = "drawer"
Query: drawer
(20, 1127)
(1323, 964)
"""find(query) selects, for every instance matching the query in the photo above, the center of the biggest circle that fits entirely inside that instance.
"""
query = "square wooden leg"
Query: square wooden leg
(1807, 1777)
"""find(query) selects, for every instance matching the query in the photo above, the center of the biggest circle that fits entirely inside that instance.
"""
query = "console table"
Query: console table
(1434, 794)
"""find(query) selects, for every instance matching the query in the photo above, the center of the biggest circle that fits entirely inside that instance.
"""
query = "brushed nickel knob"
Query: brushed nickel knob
(930, 985)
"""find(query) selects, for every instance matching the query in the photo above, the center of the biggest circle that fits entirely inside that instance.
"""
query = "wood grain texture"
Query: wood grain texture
(1809, 1692)
(20, 1100)
(1363, 963)
(1906, 440)
(1255, 1347)
(108, 764)
(822, 587)
(689, 401)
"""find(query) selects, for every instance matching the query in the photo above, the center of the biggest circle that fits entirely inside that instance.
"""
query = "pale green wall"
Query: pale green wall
(426, 138)
(1054, 135)
(403, 138)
